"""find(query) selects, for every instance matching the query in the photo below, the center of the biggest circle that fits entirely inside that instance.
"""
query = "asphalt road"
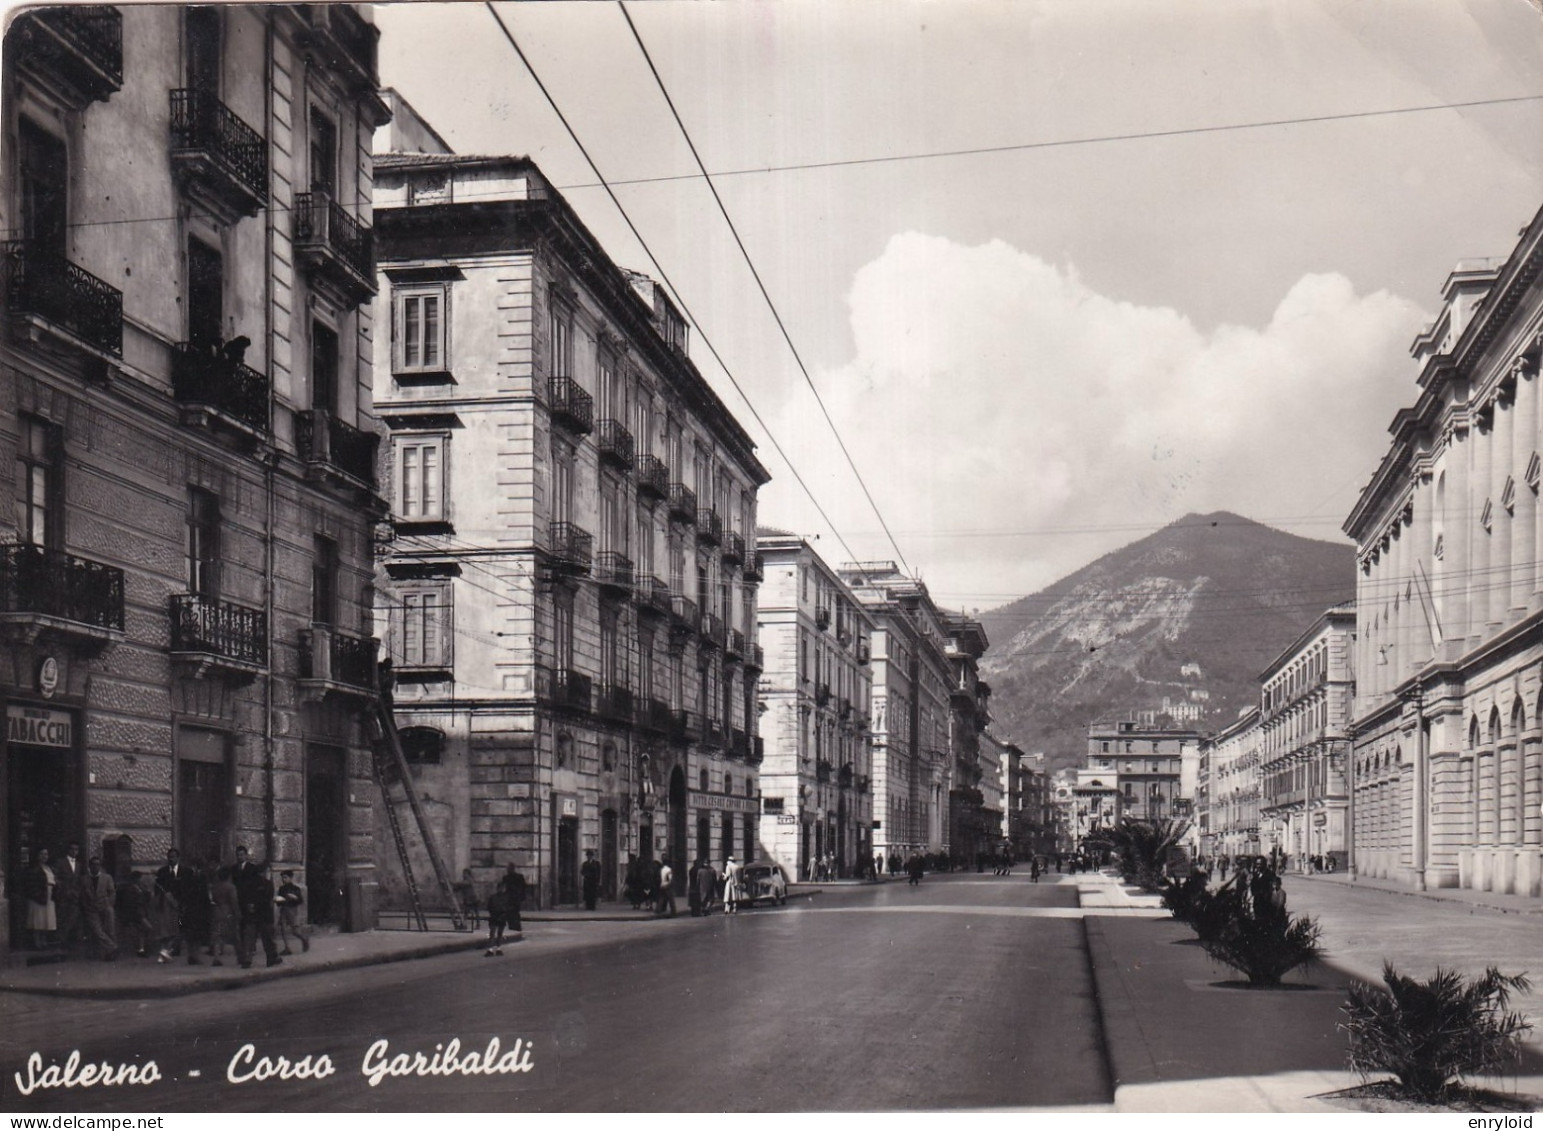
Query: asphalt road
(968, 991)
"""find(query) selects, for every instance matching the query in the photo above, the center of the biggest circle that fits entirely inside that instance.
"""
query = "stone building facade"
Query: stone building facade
(570, 594)
(185, 575)
(1153, 767)
(817, 779)
(970, 816)
(1229, 823)
(1305, 704)
(1448, 752)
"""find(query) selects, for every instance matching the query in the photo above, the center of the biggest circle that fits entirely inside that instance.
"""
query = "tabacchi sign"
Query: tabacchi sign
(33, 726)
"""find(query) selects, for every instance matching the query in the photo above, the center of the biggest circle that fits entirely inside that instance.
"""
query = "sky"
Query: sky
(1061, 271)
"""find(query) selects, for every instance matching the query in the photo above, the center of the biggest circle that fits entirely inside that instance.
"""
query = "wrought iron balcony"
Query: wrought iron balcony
(344, 40)
(571, 406)
(75, 50)
(337, 661)
(822, 619)
(653, 715)
(49, 590)
(844, 777)
(651, 595)
(217, 156)
(739, 743)
(844, 708)
(862, 784)
(209, 382)
(570, 549)
(712, 629)
(736, 644)
(864, 651)
(682, 503)
(219, 634)
(337, 249)
(709, 527)
(330, 446)
(685, 726)
(822, 771)
(684, 615)
(614, 703)
(755, 567)
(733, 548)
(757, 753)
(616, 446)
(44, 285)
(755, 658)
(653, 478)
(713, 733)
(613, 571)
(563, 688)
(821, 694)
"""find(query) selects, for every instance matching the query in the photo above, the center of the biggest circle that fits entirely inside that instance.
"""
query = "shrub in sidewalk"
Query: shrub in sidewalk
(1143, 849)
(1263, 948)
(1427, 1034)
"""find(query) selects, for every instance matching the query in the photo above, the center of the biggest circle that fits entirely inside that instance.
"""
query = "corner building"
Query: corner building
(817, 686)
(569, 595)
(1447, 771)
(186, 648)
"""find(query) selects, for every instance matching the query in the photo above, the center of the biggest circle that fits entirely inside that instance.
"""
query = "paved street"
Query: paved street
(966, 991)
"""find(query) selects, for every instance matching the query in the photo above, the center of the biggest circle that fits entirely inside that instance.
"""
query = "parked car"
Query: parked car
(764, 881)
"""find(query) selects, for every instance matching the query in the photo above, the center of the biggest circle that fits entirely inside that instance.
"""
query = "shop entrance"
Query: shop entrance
(42, 790)
(203, 796)
(675, 851)
(704, 837)
(326, 831)
(567, 860)
(610, 853)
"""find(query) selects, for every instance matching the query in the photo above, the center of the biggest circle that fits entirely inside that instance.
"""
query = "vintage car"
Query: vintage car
(764, 881)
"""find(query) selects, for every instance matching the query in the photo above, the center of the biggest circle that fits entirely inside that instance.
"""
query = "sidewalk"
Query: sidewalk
(1491, 900)
(1182, 1032)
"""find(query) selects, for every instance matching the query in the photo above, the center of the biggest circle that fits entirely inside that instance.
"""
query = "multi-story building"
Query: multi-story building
(1093, 803)
(570, 593)
(185, 402)
(817, 779)
(1231, 757)
(994, 798)
(911, 681)
(1306, 698)
(971, 830)
(1448, 752)
(1154, 767)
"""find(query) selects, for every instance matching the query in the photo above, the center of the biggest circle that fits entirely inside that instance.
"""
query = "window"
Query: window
(324, 581)
(324, 154)
(562, 341)
(562, 482)
(206, 296)
(420, 477)
(610, 651)
(203, 543)
(645, 662)
(562, 629)
(422, 746)
(422, 329)
(614, 517)
(38, 483)
(702, 780)
(45, 178)
(425, 627)
(324, 368)
(203, 48)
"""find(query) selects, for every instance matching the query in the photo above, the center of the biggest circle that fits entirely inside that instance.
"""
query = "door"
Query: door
(326, 832)
(206, 297)
(42, 789)
(568, 860)
(203, 796)
(610, 853)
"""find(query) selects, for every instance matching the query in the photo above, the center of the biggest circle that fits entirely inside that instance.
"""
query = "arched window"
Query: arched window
(1473, 732)
(728, 783)
(422, 746)
(564, 751)
(703, 779)
(608, 756)
(1494, 724)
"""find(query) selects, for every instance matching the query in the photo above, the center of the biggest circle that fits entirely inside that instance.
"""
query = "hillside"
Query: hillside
(1181, 622)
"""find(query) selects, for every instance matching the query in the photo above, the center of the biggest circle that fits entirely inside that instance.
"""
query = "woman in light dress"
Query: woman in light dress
(730, 886)
(42, 919)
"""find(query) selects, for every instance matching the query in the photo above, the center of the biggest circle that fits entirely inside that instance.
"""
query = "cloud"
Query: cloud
(1012, 423)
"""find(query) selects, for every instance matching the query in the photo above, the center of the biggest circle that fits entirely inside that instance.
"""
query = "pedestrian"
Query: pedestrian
(136, 896)
(513, 886)
(632, 884)
(693, 896)
(168, 906)
(257, 903)
(666, 905)
(914, 870)
(589, 876)
(1034, 869)
(466, 894)
(290, 899)
(498, 911)
(42, 913)
(69, 871)
(225, 916)
(706, 885)
(98, 895)
(730, 886)
(195, 907)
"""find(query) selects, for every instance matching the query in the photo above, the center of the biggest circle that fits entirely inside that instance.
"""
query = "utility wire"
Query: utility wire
(760, 284)
(508, 35)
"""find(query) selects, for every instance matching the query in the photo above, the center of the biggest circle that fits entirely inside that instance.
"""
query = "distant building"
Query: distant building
(1155, 768)
(1448, 751)
(1230, 822)
(973, 826)
(816, 687)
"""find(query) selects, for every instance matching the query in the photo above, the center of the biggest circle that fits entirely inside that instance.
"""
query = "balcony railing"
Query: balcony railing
(709, 527)
(844, 777)
(347, 41)
(615, 444)
(334, 245)
(654, 715)
(653, 478)
(222, 629)
(736, 643)
(864, 651)
(614, 571)
(571, 548)
(685, 725)
(201, 378)
(822, 619)
(651, 596)
(757, 753)
(50, 287)
(733, 548)
(712, 733)
(572, 407)
(712, 629)
(614, 703)
(755, 567)
(821, 694)
(563, 688)
(37, 582)
(684, 614)
(76, 49)
(682, 503)
(755, 658)
(739, 743)
(338, 658)
(216, 151)
(822, 771)
(326, 442)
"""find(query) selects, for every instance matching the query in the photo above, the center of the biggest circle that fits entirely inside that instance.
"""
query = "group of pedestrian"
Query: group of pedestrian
(707, 885)
(182, 907)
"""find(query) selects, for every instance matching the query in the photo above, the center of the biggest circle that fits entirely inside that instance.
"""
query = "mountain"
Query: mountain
(1179, 624)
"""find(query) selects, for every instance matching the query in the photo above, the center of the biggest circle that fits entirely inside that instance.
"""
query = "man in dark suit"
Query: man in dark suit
(256, 898)
(242, 873)
(513, 885)
(589, 874)
(168, 905)
(68, 874)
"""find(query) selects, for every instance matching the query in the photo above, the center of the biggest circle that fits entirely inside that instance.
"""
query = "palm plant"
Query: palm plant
(1264, 948)
(1143, 848)
(1427, 1034)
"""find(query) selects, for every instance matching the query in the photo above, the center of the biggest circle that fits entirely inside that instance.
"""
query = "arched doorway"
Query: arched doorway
(675, 851)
